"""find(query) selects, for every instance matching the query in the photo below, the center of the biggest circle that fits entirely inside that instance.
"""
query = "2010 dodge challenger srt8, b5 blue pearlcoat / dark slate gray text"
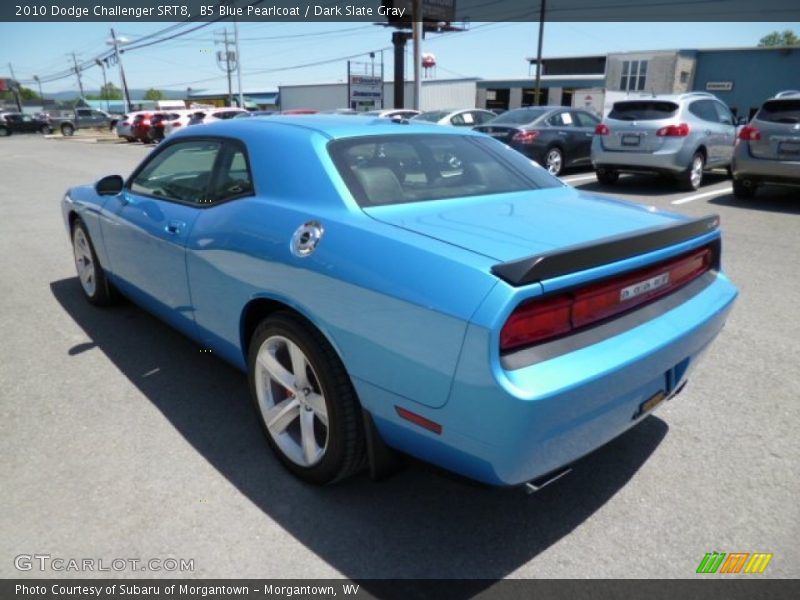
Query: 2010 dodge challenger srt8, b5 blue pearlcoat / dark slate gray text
(394, 286)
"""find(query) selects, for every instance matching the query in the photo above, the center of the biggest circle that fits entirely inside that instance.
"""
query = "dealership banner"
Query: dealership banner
(399, 13)
(753, 588)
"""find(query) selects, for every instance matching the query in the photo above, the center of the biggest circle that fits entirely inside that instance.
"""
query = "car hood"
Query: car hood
(510, 226)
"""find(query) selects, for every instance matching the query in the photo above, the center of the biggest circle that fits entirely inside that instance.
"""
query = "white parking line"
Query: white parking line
(572, 178)
(694, 197)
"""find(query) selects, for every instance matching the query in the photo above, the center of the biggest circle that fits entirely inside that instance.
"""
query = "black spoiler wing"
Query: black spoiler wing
(539, 267)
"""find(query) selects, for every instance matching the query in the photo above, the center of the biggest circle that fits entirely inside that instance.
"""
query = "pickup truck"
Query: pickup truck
(83, 118)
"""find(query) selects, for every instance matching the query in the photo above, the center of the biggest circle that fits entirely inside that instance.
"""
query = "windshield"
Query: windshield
(396, 169)
(519, 116)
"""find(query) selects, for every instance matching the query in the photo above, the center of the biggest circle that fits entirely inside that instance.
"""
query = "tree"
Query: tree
(153, 94)
(24, 94)
(110, 92)
(780, 38)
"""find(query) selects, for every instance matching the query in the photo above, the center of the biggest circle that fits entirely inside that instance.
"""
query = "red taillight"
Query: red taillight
(540, 320)
(525, 137)
(601, 129)
(536, 321)
(750, 134)
(176, 124)
(681, 130)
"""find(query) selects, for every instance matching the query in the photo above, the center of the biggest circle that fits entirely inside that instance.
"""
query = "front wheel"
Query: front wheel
(94, 283)
(692, 177)
(554, 161)
(305, 400)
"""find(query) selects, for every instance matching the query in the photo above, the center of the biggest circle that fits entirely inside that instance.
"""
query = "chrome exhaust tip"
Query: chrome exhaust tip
(542, 482)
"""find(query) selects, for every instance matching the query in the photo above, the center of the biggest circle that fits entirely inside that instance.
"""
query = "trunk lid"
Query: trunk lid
(505, 227)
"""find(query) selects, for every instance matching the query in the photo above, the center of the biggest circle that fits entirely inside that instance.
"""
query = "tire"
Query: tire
(314, 426)
(67, 130)
(92, 277)
(744, 189)
(554, 161)
(45, 130)
(607, 177)
(4, 132)
(691, 179)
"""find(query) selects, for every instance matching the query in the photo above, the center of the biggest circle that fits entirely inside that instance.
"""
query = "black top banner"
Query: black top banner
(436, 13)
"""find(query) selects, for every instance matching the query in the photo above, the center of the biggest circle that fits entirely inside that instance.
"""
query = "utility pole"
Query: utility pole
(115, 42)
(539, 52)
(226, 57)
(39, 82)
(15, 89)
(238, 62)
(417, 34)
(78, 74)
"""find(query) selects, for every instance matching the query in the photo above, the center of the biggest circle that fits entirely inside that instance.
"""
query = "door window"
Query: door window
(562, 119)
(585, 119)
(234, 179)
(180, 173)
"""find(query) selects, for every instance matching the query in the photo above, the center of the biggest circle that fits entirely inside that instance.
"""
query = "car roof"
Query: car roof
(331, 126)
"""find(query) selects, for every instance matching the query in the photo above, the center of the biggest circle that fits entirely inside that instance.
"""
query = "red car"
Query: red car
(140, 126)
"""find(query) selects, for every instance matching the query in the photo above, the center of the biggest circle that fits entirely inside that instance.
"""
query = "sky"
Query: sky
(486, 50)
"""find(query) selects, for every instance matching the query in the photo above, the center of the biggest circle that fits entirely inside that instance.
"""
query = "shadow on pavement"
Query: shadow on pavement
(649, 185)
(418, 524)
(767, 198)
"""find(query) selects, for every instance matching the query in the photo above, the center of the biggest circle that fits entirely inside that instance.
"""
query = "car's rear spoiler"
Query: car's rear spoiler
(539, 267)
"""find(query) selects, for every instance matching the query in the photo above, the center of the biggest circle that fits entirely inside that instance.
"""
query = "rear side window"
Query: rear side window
(397, 169)
(704, 109)
(643, 110)
(780, 111)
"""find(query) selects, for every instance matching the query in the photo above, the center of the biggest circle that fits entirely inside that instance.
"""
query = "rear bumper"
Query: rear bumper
(669, 160)
(746, 166)
(507, 427)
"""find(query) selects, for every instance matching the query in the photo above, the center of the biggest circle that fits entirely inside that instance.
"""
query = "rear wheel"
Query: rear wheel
(45, 129)
(692, 177)
(305, 400)
(94, 282)
(4, 132)
(744, 188)
(67, 129)
(606, 176)
(554, 161)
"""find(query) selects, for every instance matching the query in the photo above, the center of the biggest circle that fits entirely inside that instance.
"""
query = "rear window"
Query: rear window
(519, 116)
(643, 110)
(396, 169)
(780, 111)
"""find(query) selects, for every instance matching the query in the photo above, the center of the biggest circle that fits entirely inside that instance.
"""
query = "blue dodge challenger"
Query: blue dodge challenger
(405, 287)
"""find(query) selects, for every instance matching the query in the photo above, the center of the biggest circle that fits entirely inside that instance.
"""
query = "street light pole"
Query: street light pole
(539, 52)
(417, 24)
(104, 95)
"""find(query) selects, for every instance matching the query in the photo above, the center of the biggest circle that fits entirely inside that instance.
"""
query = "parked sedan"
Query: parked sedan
(211, 115)
(22, 123)
(124, 126)
(768, 149)
(420, 289)
(140, 127)
(469, 117)
(554, 136)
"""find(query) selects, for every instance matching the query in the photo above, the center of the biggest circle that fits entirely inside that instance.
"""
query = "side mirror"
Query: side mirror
(110, 185)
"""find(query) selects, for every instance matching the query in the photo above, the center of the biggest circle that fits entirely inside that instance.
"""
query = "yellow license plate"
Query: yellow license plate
(649, 404)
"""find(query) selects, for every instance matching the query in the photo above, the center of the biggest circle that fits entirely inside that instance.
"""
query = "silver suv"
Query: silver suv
(678, 135)
(768, 149)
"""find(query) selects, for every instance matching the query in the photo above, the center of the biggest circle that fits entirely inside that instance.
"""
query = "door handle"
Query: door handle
(174, 227)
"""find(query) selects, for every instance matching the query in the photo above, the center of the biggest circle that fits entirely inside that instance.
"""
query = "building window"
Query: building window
(684, 76)
(634, 75)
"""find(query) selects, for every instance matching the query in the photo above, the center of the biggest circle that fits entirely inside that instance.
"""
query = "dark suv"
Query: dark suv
(768, 149)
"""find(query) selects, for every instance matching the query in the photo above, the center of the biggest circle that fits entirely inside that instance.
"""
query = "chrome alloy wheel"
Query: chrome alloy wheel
(554, 161)
(696, 172)
(291, 401)
(83, 261)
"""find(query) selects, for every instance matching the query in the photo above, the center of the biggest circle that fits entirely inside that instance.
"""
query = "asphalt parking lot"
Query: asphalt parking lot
(121, 439)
